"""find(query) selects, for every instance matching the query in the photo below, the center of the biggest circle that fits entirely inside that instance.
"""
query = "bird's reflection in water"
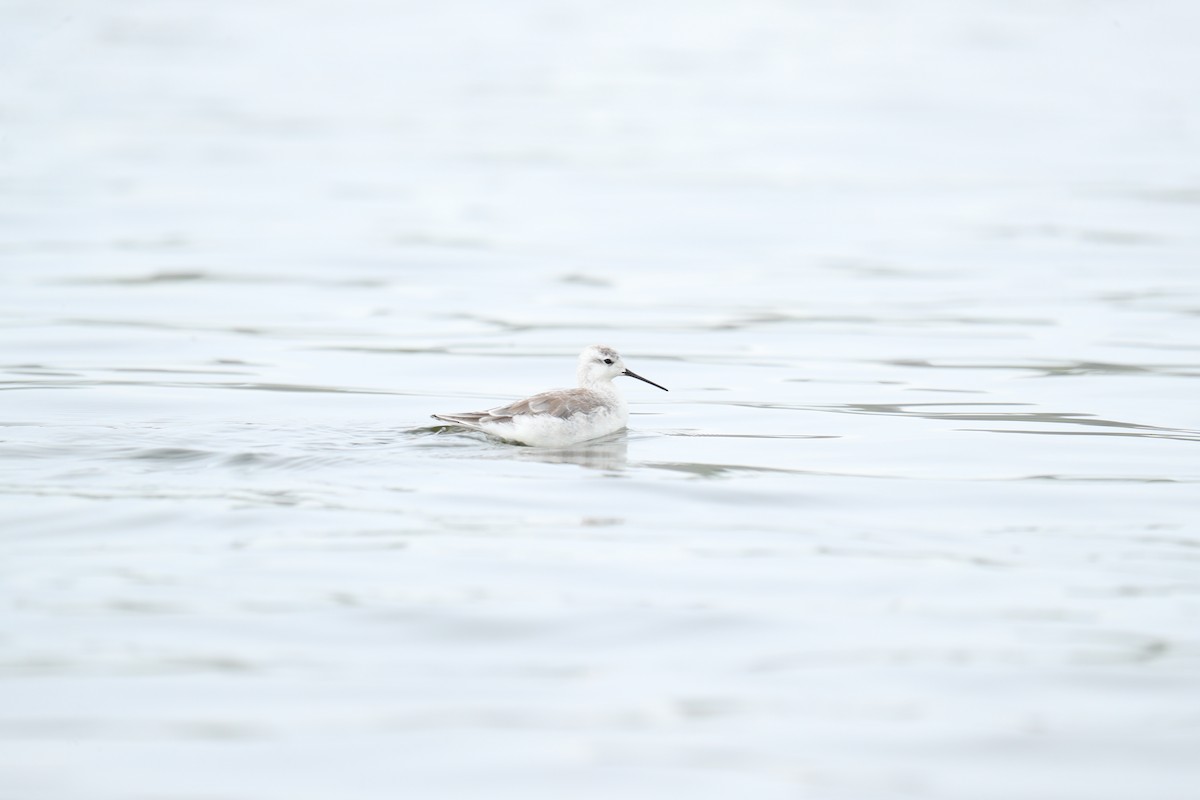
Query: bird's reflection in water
(606, 453)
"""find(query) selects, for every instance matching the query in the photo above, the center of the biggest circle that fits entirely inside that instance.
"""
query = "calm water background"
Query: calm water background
(919, 517)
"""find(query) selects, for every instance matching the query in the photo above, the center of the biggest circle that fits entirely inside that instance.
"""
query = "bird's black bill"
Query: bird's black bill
(640, 378)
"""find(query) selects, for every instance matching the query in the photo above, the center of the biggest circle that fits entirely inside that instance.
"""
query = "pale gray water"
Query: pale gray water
(919, 517)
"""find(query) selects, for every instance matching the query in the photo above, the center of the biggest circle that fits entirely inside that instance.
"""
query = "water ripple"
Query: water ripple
(927, 411)
(1058, 369)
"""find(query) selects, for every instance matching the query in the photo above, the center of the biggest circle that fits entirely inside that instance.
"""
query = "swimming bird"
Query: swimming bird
(561, 417)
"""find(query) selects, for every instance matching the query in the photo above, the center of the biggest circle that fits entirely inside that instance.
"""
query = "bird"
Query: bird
(561, 417)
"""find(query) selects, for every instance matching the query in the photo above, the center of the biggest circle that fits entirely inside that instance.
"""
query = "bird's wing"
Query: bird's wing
(562, 404)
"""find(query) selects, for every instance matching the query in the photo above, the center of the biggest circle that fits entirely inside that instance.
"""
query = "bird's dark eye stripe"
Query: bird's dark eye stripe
(608, 361)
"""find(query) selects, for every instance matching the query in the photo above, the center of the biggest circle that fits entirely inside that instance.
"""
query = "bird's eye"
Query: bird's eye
(608, 361)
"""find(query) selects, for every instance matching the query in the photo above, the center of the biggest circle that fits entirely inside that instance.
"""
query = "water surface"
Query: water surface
(918, 518)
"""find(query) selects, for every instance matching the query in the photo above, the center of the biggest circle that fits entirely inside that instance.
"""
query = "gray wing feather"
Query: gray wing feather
(561, 404)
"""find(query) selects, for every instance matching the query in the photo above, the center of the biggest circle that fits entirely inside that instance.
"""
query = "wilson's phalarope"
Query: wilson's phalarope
(564, 416)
